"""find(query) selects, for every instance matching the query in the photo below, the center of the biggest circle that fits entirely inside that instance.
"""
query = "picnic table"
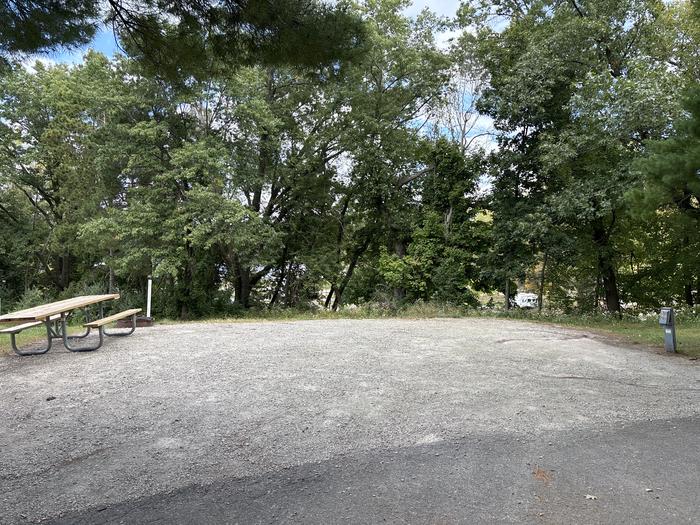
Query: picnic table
(54, 316)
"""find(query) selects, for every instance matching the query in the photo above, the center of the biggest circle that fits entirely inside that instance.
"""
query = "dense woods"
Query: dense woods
(245, 158)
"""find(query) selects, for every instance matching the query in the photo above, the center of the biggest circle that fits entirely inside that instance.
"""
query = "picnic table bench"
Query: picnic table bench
(54, 316)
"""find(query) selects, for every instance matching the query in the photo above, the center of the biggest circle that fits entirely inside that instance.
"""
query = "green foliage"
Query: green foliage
(179, 39)
(29, 26)
(250, 159)
(29, 298)
(577, 89)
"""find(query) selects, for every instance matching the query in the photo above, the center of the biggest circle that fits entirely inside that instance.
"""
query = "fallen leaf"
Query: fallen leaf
(542, 475)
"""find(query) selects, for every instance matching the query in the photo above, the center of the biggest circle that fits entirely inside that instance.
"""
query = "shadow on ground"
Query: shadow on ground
(642, 473)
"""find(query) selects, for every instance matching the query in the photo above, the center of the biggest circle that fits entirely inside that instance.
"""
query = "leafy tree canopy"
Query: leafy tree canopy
(182, 37)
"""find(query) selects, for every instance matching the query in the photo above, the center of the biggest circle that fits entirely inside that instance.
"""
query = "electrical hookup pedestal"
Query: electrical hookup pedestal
(667, 320)
(148, 320)
(142, 321)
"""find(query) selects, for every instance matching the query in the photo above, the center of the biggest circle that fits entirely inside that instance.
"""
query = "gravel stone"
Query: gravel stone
(177, 405)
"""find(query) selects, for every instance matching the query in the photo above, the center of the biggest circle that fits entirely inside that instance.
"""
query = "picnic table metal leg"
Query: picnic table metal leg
(57, 329)
(66, 337)
(54, 328)
(17, 351)
(122, 334)
(87, 330)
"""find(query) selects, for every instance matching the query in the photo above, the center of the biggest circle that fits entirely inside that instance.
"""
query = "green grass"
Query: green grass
(629, 330)
(647, 333)
(30, 336)
(368, 311)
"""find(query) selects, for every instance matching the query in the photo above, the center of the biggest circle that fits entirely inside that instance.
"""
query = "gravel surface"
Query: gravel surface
(175, 408)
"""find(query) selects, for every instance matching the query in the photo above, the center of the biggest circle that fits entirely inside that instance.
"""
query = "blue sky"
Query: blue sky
(104, 41)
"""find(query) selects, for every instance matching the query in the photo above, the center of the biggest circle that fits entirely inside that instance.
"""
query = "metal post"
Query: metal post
(667, 320)
(148, 297)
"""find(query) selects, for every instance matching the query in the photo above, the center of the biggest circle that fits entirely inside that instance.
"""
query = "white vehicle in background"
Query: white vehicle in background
(526, 300)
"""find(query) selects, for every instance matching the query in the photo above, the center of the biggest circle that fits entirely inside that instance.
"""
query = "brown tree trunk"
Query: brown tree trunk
(400, 251)
(540, 295)
(338, 246)
(288, 290)
(606, 268)
(688, 292)
(331, 292)
(110, 285)
(348, 274)
(448, 221)
(612, 297)
(64, 271)
(344, 283)
(278, 285)
(243, 287)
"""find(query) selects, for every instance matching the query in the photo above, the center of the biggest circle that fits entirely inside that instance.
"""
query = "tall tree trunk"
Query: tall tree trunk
(612, 297)
(507, 293)
(343, 283)
(540, 295)
(64, 266)
(688, 292)
(338, 247)
(348, 274)
(329, 297)
(282, 265)
(245, 279)
(291, 277)
(278, 285)
(110, 285)
(186, 286)
(606, 267)
(243, 287)
(400, 251)
(447, 222)
(341, 287)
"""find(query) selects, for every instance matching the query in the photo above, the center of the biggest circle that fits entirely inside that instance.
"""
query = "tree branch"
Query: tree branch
(413, 176)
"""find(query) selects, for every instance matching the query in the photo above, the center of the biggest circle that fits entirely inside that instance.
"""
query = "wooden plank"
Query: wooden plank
(41, 312)
(20, 327)
(112, 318)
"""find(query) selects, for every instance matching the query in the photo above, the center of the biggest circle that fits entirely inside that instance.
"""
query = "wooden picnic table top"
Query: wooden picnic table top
(41, 312)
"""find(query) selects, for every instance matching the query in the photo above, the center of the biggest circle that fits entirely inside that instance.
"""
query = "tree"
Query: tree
(29, 26)
(448, 234)
(49, 141)
(570, 85)
(181, 38)
(390, 91)
(672, 190)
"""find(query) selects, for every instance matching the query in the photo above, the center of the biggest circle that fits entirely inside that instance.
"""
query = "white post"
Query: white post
(148, 298)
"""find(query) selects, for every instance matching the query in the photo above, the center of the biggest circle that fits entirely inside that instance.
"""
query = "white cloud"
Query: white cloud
(29, 63)
(441, 7)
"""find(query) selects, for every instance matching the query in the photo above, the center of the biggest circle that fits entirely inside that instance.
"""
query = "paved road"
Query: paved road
(437, 421)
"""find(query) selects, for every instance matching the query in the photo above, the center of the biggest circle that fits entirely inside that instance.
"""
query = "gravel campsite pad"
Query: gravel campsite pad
(350, 421)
